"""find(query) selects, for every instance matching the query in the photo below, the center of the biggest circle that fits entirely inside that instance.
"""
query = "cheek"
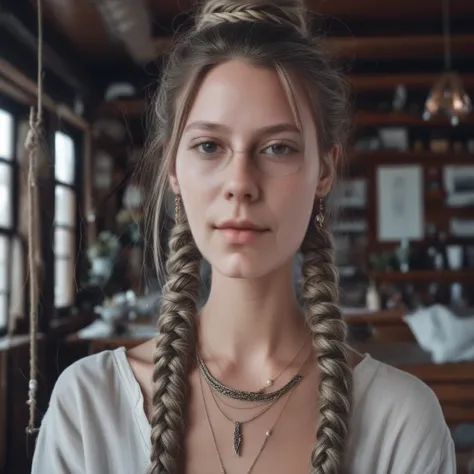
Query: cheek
(296, 194)
(192, 172)
(196, 196)
(294, 213)
(292, 204)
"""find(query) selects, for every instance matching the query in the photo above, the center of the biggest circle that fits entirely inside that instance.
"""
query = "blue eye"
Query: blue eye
(208, 147)
(279, 149)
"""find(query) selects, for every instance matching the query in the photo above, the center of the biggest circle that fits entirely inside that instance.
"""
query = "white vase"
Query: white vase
(101, 267)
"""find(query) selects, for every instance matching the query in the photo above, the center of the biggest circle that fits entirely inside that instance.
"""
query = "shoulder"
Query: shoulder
(379, 375)
(386, 389)
(90, 392)
(89, 414)
(404, 415)
(90, 377)
(90, 368)
(400, 387)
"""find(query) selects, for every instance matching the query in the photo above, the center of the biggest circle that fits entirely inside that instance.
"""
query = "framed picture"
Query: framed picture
(459, 185)
(400, 203)
(462, 227)
(352, 193)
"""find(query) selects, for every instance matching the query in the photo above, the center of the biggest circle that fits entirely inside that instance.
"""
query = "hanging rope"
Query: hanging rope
(447, 34)
(33, 146)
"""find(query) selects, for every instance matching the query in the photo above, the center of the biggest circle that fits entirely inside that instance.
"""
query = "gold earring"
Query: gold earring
(320, 215)
(177, 208)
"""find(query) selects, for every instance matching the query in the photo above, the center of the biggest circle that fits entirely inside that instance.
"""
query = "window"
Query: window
(7, 171)
(4, 286)
(65, 220)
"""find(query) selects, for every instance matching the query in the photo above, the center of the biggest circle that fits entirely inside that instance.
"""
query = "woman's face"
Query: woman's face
(247, 175)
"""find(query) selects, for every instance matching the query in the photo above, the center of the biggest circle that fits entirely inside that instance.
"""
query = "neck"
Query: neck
(248, 322)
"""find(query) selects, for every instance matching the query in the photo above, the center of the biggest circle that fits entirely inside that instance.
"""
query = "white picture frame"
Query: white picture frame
(459, 185)
(463, 228)
(400, 203)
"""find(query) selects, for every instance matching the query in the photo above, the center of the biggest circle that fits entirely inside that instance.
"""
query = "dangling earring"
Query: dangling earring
(320, 215)
(177, 208)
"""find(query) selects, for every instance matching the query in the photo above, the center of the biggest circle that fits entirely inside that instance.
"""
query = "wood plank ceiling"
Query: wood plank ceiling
(348, 9)
(84, 27)
(81, 23)
(367, 32)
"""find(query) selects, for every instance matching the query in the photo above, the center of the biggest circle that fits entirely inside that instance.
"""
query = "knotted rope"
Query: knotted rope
(33, 146)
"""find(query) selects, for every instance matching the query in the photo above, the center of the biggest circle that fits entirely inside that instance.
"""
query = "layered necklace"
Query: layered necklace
(259, 396)
(268, 433)
(269, 399)
(235, 394)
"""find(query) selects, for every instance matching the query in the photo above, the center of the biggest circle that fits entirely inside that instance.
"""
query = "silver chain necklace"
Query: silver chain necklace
(242, 395)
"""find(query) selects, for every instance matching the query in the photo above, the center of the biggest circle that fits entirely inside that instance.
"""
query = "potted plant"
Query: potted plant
(102, 253)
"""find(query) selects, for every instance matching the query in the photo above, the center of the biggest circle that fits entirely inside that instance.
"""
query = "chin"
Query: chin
(242, 266)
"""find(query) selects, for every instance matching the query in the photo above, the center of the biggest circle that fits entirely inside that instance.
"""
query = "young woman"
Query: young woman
(249, 127)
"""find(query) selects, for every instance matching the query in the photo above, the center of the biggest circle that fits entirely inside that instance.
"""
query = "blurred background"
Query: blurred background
(405, 226)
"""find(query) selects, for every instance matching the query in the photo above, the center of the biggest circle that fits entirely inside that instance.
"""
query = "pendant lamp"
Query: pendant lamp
(448, 95)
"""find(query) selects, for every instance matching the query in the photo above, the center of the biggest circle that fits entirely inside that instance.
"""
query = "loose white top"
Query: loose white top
(96, 424)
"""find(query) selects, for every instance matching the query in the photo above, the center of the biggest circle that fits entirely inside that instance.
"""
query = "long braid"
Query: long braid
(320, 293)
(175, 347)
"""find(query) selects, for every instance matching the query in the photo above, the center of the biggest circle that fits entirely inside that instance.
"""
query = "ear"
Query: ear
(173, 179)
(174, 182)
(327, 175)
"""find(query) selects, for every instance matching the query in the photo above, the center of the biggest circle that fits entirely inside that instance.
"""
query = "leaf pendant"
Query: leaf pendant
(237, 438)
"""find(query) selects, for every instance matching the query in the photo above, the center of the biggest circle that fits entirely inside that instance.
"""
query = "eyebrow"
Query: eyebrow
(269, 130)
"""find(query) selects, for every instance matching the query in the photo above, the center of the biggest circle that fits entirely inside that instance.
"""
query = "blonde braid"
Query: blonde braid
(175, 346)
(283, 12)
(238, 15)
(320, 292)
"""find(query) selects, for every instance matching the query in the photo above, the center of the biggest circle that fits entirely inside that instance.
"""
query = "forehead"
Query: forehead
(238, 94)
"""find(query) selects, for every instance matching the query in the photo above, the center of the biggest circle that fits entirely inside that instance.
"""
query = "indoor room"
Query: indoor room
(103, 250)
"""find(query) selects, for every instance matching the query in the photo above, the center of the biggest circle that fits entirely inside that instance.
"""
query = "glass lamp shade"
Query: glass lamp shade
(449, 97)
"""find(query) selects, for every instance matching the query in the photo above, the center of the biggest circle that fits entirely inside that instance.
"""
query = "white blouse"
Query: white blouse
(96, 423)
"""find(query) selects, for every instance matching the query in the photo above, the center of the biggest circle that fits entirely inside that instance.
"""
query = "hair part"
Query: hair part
(277, 37)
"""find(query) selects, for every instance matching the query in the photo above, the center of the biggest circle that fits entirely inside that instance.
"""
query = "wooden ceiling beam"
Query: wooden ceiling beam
(379, 47)
(25, 90)
(399, 47)
(381, 82)
(18, 20)
(81, 23)
(400, 10)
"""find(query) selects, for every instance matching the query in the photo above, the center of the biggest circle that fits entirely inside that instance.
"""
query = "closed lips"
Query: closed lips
(244, 225)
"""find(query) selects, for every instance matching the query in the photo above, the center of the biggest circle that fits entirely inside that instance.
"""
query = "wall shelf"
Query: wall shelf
(389, 157)
(380, 119)
(435, 276)
(384, 82)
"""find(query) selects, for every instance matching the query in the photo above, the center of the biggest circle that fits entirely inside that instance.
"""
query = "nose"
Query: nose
(241, 179)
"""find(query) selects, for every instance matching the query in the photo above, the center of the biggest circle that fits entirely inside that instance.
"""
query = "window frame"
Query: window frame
(77, 136)
(18, 112)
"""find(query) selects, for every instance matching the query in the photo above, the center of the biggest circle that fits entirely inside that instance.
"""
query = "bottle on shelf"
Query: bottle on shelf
(403, 254)
(372, 297)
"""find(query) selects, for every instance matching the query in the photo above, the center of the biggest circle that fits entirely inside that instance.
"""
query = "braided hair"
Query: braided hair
(274, 34)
